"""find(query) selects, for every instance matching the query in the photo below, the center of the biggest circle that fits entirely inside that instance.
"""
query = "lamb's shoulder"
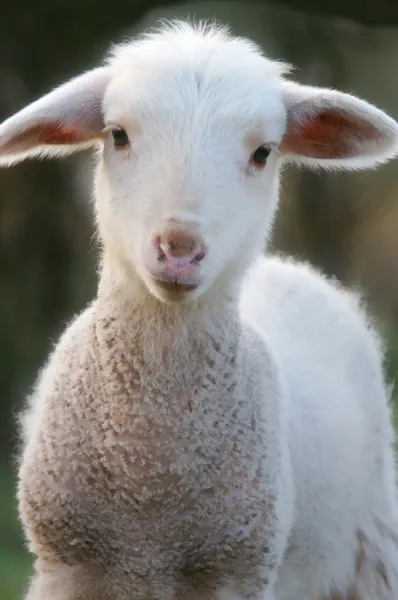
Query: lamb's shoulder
(53, 432)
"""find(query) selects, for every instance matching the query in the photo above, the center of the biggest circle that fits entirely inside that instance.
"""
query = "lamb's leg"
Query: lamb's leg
(377, 564)
(228, 584)
(63, 582)
(352, 595)
(376, 568)
(85, 581)
(225, 594)
(254, 587)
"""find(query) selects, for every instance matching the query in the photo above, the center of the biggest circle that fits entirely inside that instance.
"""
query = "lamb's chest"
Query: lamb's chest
(184, 486)
(181, 478)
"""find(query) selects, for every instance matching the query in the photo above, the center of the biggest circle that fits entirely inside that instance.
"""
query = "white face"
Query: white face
(187, 184)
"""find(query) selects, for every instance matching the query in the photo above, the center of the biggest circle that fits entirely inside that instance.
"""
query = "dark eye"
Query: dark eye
(259, 157)
(120, 138)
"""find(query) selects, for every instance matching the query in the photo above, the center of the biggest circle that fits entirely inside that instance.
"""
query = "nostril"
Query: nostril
(161, 254)
(200, 256)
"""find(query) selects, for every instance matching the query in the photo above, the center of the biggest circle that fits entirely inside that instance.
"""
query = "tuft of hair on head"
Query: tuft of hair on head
(189, 38)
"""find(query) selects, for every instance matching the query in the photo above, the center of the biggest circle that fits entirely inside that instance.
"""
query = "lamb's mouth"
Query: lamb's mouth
(176, 286)
(171, 283)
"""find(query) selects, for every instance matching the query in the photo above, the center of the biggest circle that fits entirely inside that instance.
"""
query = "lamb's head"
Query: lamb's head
(192, 126)
(187, 184)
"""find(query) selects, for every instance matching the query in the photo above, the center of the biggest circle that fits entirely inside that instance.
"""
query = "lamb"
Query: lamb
(215, 424)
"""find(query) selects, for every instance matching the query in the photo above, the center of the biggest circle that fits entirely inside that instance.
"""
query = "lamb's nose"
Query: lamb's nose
(178, 247)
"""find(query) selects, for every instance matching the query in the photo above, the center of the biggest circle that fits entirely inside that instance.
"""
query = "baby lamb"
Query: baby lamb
(215, 425)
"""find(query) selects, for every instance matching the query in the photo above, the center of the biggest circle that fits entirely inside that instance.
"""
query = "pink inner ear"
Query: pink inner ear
(51, 134)
(45, 133)
(328, 134)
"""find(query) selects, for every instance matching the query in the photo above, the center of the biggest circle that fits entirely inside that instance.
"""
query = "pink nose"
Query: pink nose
(179, 251)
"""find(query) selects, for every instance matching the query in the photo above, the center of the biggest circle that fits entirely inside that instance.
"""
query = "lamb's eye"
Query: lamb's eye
(120, 138)
(259, 157)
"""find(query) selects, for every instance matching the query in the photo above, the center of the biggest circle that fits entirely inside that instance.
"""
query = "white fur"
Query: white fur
(340, 433)
(233, 442)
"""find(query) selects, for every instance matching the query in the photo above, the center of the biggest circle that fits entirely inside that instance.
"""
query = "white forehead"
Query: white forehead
(184, 75)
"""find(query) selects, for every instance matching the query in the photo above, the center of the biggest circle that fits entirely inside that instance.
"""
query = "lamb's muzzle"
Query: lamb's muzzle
(179, 249)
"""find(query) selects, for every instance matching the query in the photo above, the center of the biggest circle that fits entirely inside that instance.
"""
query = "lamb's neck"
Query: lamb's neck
(172, 342)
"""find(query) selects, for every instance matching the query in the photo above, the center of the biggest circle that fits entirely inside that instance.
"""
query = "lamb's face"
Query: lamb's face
(187, 185)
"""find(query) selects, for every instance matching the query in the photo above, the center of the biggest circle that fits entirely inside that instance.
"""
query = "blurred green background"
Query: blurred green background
(346, 224)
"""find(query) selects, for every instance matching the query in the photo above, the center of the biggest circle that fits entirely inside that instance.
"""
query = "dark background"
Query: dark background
(346, 224)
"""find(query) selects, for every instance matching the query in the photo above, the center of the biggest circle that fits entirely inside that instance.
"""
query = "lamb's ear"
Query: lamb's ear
(65, 120)
(327, 128)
